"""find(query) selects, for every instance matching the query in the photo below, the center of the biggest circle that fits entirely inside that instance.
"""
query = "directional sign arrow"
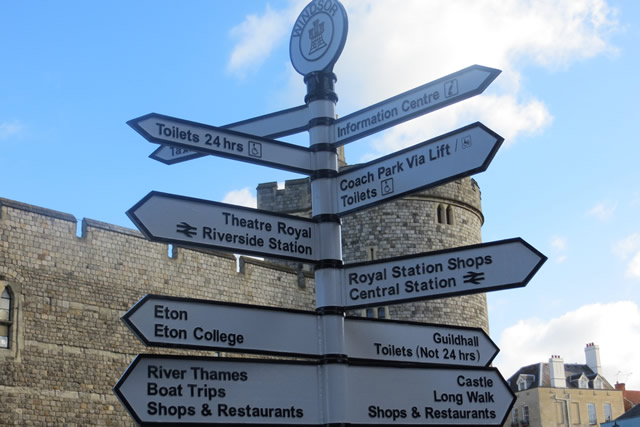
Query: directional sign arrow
(169, 390)
(396, 341)
(460, 153)
(416, 102)
(223, 142)
(212, 325)
(471, 269)
(273, 125)
(188, 221)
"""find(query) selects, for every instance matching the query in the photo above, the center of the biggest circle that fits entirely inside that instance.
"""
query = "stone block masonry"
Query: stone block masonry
(68, 346)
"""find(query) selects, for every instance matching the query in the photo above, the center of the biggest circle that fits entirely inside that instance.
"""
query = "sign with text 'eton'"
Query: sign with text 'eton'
(189, 221)
(166, 389)
(454, 155)
(213, 325)
(471, 269)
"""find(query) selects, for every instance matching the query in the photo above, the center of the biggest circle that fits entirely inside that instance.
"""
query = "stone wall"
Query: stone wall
(68, 346)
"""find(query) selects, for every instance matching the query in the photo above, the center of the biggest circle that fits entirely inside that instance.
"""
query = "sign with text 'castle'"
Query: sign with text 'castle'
(457, 154)
(164, 321)
(472, 269)
(170, 390)
(189, 221)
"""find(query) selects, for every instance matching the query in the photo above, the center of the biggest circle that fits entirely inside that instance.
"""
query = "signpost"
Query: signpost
(472, 269)
(273, 125)
(362, 371)
(222, 142)
(173, 322)
(460, 153)
(416, 102)
(166, 389)
(188, 221)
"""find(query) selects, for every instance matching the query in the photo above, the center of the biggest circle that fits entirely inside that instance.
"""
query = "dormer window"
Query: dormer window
(597, 383)
(583, 382)
(524, 382)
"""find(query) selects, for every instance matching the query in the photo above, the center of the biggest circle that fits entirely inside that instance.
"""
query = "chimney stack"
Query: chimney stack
(592, 355)
(556, 372)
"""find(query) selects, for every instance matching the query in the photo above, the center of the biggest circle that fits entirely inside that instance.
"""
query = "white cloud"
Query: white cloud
(394, 46)
(603, 210)
(257, 36)
(9, 129)
(243, 197)
(633, 268)
(534, 340)
(628, 249)
(559, 245)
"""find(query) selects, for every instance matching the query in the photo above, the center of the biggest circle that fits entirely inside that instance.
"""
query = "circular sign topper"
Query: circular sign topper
(318, 36)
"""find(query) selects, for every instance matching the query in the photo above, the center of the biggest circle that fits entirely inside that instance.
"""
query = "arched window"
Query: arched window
(6, 305)
(449, 215)
(440, 214)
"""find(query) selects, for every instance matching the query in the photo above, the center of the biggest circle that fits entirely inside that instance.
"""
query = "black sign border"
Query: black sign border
(139, 224)
(134, 123)
(521, 284)
(483, 167)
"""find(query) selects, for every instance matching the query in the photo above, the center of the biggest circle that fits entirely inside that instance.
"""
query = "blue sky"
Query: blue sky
(566, 179)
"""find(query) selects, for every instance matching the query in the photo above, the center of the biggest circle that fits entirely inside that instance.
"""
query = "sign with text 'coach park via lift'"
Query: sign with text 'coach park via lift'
(205, 390)
(457, 154)
(173, 322)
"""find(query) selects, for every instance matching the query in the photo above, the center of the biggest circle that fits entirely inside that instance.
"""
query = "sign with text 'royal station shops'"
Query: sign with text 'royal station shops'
(354, 370)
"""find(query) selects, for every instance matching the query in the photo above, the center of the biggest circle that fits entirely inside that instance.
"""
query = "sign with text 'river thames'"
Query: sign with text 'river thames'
(416, 102)
(471, 269)
(204, 390)
(189, 221)
(223, 142)
(454, 155)
(164, 321)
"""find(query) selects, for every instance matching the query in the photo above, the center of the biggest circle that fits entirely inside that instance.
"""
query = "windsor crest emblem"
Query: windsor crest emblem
(318, 36)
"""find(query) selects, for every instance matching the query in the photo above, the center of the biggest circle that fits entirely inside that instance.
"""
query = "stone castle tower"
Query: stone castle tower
(444, 217)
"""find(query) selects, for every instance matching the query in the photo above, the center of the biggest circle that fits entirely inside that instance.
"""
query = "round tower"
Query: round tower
(444, 217)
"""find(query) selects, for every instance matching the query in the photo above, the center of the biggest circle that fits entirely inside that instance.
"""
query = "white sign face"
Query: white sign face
(157, 389)
(194, 222)
(391, 341)
(449, 157)
(472, 269)
(274, 125)
(222, 142)
(418, 396)
(211, 325)
(432, 96)
(318, 36)
(165, 389)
